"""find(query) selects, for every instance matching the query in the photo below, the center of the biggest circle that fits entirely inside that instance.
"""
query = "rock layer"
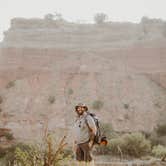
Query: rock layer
(46, 67)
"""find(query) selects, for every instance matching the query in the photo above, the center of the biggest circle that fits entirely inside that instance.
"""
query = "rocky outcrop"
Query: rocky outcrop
(47, 67)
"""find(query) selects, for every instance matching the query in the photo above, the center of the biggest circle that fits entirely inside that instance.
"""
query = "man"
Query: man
(85, 130)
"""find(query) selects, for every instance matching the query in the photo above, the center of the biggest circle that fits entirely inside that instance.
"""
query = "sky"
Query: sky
(81, 10)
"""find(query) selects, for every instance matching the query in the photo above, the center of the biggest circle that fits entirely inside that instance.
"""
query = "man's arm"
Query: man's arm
(92, 127)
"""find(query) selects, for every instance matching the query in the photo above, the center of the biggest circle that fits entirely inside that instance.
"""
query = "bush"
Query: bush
(1, 100)
(10, 84)
(9, 136)
(136, 144)
(9, 156)
(100, 18)
(49, 16)
(159, 151)
(97, 104)
(107, 130)
(51, 99)
(116, 146)
(3, 152)
(47, 153)
(161, 129)
(41, 154)
(70, 91)
(126, 106)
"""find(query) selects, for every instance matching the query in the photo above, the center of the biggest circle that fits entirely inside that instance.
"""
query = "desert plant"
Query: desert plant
(107, 130)
(3, 152)
(97, 104)
(39, 155)
(100, 18)
(161, 129)
(126, 106)
(159, 151)
(10, 84)
(1, 100)
(116, 146)
(49, 16)
(8, 154)
(70, 91)
(135, 144)
(145, 24)
(8, 136)
(51, 99)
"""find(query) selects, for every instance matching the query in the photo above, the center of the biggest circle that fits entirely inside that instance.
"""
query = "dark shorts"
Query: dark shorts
(83, 152)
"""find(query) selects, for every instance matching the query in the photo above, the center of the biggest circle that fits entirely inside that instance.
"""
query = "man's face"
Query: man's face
(80, 110)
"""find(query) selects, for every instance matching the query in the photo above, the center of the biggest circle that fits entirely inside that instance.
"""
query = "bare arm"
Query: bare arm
(92, 128)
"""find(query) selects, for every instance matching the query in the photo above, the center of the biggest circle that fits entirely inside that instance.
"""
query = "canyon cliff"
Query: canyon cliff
(48, 66)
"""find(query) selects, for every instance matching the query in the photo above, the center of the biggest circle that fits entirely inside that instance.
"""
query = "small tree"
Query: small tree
(145, 22)
(49, 16)
(58, 16)
(100, 18)
(159, 151)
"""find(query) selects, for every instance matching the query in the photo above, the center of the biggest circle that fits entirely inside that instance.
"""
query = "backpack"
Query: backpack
(99, 137)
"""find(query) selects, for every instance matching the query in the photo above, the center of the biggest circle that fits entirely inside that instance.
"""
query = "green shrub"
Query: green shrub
(70, 91)
(45, 154)
(10, 84)
(136, 144)
(9, 156)
(3, 152)
(126, 106)
(100, 18)
(97, 104)
(159, 151)
(9, 136)
(117, 146)
(161, 129)
(107, 130)
(1, 100)
(51, 99)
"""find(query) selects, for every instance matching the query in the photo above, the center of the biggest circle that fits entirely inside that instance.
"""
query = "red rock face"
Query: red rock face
(41, 85)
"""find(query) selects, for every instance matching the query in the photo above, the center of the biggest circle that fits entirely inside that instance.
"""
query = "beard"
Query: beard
(80, 113)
